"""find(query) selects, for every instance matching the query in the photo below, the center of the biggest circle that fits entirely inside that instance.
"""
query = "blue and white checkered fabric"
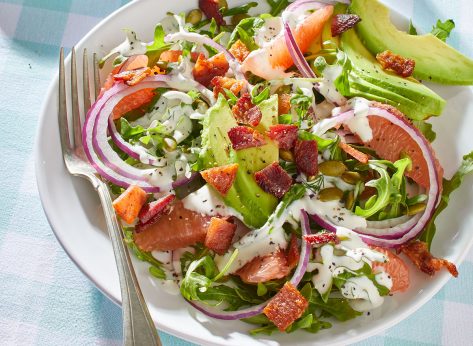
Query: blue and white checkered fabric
(44, 299)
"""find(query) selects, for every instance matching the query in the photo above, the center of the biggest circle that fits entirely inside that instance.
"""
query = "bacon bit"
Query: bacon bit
(129, 203)
(322, 238)
(343, 22)
(419, 254)
(246, 112)
(403, 67)
(174, 55)
(133, 77)
(239, 50)
(231, 84)
(286, 306)
(134, 62)
(151, 212)
(293, 254)
(220, 234)
(274, 180)
(221, 178)
(243, 137)
(306, 157)
(211, 10)
(285, 135)
(132, 102)
(262, 269)
(206, 69)
(356, 154)
(156, 70)
(284, 104)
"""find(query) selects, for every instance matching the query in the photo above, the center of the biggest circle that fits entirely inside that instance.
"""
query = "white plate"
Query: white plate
(73, 211)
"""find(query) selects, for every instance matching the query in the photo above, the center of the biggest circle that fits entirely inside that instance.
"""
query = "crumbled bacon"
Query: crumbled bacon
(206, 69)
(284, 104)
(221, 178)
(243, 137)
(220, 234)
(239, 50)
(419, 254)
(174, 55)
(133, 77)
(403, 67)
(306, 157)
(129, 203)
(156, 208)
(343, 22)
(356, 154)
(293, 254)
(262, 269)
(246, 112)
(274, 180)
(211, 8)
(286, 306)
(322, 238)
(285, 135)
(220, 83)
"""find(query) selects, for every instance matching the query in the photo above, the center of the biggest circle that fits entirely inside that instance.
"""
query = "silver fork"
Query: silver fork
(138, 327)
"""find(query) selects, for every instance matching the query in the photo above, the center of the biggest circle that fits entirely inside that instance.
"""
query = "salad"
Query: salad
(273, 164)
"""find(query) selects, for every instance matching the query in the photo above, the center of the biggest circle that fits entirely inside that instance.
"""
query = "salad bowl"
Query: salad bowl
(75, 215)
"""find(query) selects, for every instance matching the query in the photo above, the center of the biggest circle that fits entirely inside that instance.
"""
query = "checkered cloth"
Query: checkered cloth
(44, 299)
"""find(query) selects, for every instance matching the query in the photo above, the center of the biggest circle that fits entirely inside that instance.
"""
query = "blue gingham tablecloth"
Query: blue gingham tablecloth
(44, 299)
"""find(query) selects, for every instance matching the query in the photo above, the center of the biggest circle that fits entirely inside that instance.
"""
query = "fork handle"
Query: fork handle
(138, 326)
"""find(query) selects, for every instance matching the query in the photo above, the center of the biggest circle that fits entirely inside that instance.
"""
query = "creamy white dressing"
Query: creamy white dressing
(131, 46)
(327, 87)
(206, 201)
(170, 25)
(337, 182)
(350, 255)
(178, 95)
(359, 124)
(271, 29)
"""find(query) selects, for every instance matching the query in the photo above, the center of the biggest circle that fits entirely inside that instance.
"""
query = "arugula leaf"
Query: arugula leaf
(412, 29)
(342, 81)
(302, 104)
(158, 46)
(129, 132)
(277, 6)
(245, 30)
(156, 266)
(449, 186)
(334, 307)
(442, 30)
(243, 9)
(426, 129)
(322, 143)
(197, 279)
(285, 119)
(261, 96)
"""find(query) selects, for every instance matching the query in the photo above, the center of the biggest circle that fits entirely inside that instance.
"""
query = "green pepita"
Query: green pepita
(286, 155)
(332, 168)
(170, 144)
(237, 18)
(330, 194)
(415, 209)
(194, 16)
(351, 177)
(163, 65)
(350, 200)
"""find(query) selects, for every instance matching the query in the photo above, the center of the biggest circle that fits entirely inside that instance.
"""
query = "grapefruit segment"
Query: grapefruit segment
(395, 268)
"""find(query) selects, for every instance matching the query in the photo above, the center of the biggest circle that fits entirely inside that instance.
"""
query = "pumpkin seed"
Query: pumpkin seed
(330, 194)
(194, 16)
(332, 168)
(351, 177)
(286, 155)
(170, 144)
(163, 65)
(415, 209)
(350, 200)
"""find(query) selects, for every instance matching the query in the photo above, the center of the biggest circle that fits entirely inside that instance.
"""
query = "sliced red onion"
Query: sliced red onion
(404, 231)
(312, 4)
(258, 309)
(201, 39)
(95, 138)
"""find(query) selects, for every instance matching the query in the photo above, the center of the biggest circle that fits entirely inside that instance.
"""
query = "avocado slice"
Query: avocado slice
(245, 196)
(435, 60)
(411, 97)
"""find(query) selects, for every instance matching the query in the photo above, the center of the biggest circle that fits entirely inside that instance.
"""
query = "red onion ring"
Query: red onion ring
(402, 233)
(258, 309)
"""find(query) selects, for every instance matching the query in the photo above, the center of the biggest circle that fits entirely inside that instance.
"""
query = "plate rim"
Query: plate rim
(442, 278)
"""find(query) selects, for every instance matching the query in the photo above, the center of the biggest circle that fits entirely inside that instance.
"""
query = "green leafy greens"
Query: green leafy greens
(158, 46)
(442, 30)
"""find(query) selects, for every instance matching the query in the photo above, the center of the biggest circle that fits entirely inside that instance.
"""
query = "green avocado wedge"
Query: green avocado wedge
(367, 79)
(245, 196)
(435, 60)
